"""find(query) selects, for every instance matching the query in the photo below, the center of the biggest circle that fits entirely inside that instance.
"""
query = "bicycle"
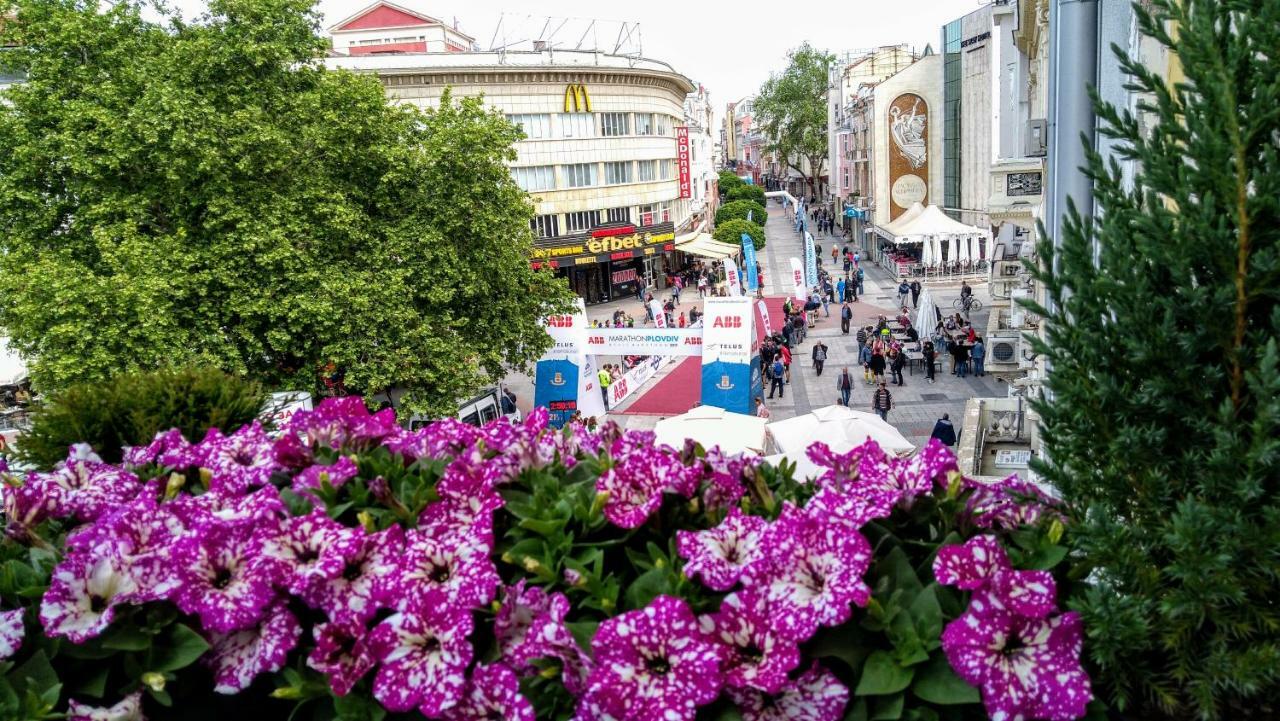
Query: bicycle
(966, 308)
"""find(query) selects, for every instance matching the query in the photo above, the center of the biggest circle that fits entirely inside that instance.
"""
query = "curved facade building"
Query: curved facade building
(602, 159)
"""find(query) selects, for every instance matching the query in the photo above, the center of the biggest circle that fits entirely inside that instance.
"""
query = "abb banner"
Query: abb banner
(643, 341)
(730, 355)
(636, 377)
(682, 160)
(797, 279)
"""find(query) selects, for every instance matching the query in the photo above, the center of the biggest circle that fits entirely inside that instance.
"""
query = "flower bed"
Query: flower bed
(351, 568)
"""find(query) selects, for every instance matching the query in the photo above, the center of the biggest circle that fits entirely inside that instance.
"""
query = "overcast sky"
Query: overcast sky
(729, 47)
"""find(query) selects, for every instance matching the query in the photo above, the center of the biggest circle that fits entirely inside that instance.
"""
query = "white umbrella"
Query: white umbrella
(805, 468)
(926, 253)
(964, 249)
(712, 426)
(937, 250)
(951, 249)
(834, 424)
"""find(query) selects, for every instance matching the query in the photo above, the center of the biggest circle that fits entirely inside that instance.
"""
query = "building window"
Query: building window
(647, 170)
(647, 214)
(614, 124)
(644, 124)
(582, 221)
(664, 211)
(666, 169)
(542, 177)
(581, 175)
(577, 125)
(535, 127)
(617, 173)
(618, 215)
(545, 226)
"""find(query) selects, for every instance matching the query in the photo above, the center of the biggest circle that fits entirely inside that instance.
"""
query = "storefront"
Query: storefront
(610, 262)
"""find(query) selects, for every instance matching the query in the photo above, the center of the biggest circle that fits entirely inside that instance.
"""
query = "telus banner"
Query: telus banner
(731, 376)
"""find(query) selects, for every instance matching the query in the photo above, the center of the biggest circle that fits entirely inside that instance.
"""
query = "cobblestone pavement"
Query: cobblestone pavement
(918, 403)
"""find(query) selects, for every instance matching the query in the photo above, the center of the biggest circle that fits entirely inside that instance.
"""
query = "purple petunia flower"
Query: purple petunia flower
(84, 487)
(530, 624)
(639, 476)
(11, 632)
(336, 474)
(342, 654)
(128, 709)
(723, 473)
(83, 594)
(238, 657)
(343, 423)
(238, 463)
(812, 572)
(453, 569)
(225, 576)
(652, 665)
(424, 657)
(1025, 667)
(443, 438)
(1009, 504)
(165, 442)
(843, 467)
(854, 505)
(722, 554)
(472, 473)
(908, 478)
(27, 502)
(363, 584)
(310, 550)
(816, 696)
(981, 564)
(493, 692)
(471, 516)
(755, 656)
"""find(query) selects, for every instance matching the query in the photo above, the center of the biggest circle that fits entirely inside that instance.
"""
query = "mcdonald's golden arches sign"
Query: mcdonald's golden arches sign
(576, 97)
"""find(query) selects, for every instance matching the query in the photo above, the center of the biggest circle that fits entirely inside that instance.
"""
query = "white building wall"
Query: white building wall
(976, 105)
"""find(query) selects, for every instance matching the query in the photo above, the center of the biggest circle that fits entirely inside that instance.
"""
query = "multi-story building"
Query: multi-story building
(601, 158)
(906, 142)
(967, 45)
(699, 119)
(385, 27)
(729, 138)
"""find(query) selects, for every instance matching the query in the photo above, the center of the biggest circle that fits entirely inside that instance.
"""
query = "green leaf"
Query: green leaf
(357, 707)
(882, 675)
(1044, 559)
(936, 683)
(888, 708)
(181, 647)
(36, 675)
(857, 710)
(846, 642)
(126, 638)
(927, 615)
(648, 586)
(95, 684)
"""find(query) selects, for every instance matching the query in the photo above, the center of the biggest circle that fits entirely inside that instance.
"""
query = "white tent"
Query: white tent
(712, 426)
(13, 370)
(931, 225)
(832, 424)
(896, 226)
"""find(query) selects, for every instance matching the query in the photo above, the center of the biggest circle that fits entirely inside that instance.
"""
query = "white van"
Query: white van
(477, 411)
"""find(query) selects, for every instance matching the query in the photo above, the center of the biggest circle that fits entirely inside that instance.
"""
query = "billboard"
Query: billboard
(908, 153)
(642, 341)
(682, 161)
(810, 261)
(730, 355)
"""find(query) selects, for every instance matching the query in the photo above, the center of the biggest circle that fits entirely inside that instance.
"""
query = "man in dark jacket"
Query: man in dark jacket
(846, 315)
(915, 294)
(944, 431)
(819, 356)
(775, 384)
(862, 338)
(882, 401)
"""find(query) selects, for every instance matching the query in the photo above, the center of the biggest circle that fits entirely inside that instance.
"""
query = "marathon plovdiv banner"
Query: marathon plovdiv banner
(749, 260)
(644, 341)
(810, 261)
(565, 378)
(797, 277)
(731, 277)
(731, 376)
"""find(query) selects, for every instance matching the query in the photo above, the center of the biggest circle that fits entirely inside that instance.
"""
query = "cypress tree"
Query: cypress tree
(1162, 420)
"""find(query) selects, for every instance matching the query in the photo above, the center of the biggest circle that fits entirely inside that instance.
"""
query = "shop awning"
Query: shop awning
(707, 247)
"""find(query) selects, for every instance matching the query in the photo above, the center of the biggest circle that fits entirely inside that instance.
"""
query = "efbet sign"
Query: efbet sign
(613, 244)
(576, 97)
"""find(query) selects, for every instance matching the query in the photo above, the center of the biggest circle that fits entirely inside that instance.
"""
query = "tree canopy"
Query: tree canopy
(753, 193)
(731, 232)
(729, 180)
(207, 192)
(791, 108)
(740, 209)
(1163, 429)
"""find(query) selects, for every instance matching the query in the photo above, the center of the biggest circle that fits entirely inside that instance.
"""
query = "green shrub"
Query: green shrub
(747, 192)
(729, 181)
(739, 209)
(731, 232)
(132, 408)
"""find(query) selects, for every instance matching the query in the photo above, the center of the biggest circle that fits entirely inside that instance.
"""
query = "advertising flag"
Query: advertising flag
(659, 315)
(764, 316)
(810, 261)
(749, 261)
(732, 278)
(797, 277)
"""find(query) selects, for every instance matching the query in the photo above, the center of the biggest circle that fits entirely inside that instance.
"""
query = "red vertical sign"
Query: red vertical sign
(682, 156)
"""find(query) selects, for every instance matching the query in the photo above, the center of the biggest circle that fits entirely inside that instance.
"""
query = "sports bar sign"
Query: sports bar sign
(682, 160)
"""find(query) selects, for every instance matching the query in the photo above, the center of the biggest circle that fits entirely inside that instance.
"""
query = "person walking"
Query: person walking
(785, 352)
(762, 411)
(835, 254)
(840, 287)
(846, 316)
(962, 359)
(882, 401)
(944, 431)
(877, 366)
(915, 293)
(819, 356)
(702, 285)
(904, 290)
(929, 354)
(844, 384)
(864, 357)
(676, 286)
(896, 363)
(862, 289)
(979, 355)
(775, 383)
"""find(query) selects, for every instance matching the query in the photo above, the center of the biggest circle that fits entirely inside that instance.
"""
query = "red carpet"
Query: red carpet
(676, 393)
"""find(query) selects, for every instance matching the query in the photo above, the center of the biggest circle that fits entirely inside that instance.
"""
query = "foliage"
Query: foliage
(130, 409)
(350, 568)
(791, 108)
(739, 209)
(1166, 435)
(209, 193)
(731, 232)
(746, 191)
(729, 180)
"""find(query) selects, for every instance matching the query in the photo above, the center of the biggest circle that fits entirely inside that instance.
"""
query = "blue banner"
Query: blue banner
(731, 386)
(556, 389)
(810, 262)
(749, 261)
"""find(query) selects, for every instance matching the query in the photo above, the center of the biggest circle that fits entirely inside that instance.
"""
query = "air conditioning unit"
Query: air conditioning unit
(1037, 138)
(1003, 348)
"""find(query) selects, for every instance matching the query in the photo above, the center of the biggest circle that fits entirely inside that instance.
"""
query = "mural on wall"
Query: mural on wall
(909, 153)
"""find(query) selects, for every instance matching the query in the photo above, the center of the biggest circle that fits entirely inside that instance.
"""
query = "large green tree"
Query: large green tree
(206, 191)
(1162, 428)
(791, 108)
